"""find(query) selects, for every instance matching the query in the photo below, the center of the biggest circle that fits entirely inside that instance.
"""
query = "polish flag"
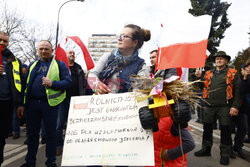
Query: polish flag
(184, 43)
(82, 55)
(61, 55)
(183, 74)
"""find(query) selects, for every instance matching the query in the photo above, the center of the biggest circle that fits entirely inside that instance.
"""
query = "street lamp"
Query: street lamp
(57, 27)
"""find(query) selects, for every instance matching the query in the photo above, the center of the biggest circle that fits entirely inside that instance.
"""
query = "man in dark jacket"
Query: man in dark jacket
(221, 91)
(153, 56)
(46, 81)
(245, 91)
(10, 81)
(78, 88)
(244, 112)
(187, 140)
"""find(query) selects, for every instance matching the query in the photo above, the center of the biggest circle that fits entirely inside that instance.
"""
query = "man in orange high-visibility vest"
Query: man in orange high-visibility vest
(221, 91)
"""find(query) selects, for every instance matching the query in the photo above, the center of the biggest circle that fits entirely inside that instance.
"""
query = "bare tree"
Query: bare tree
(23, 36)
(10, 22)
(12, 25)
(28, 46)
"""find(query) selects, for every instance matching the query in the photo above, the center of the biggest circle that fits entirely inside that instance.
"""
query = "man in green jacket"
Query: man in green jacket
(43, 92)
(221, 92)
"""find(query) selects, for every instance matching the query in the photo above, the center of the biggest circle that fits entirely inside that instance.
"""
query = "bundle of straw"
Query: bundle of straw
(177, 90)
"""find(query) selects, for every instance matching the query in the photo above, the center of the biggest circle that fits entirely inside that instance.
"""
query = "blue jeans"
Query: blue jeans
(63, 111)
(15, 121)
(36, 111)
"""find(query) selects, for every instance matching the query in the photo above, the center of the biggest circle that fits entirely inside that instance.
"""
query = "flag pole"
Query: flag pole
(51, 63)
(57, 30)
(159, 49)
(58, 15)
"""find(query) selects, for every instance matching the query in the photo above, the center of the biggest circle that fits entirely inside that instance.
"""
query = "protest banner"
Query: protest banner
(106, 130)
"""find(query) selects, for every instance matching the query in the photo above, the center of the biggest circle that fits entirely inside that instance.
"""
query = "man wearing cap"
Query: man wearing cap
(221, 91)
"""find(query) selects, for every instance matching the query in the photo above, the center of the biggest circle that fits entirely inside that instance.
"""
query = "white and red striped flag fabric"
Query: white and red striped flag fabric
(183, 74)
(82, 57)
(183, 43)
(61, 55)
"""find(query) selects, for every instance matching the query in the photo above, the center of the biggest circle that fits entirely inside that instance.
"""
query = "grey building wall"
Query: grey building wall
(98, 44)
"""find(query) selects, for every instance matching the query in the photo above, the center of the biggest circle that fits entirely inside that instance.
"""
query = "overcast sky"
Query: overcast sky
(109, 16)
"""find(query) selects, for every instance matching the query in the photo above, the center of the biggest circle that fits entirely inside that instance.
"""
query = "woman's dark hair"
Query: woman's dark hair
(139, 34)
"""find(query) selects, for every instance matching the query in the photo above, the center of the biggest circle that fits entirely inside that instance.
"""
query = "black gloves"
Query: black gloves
(148, 121)
(181, 112)
(181, 116)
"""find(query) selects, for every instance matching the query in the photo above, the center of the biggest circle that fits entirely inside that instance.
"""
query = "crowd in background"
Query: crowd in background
(39, 95)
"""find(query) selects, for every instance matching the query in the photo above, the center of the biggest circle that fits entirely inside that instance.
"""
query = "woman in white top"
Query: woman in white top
(113, 70)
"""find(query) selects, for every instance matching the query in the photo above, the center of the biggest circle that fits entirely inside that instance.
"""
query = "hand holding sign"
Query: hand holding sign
(101, 88)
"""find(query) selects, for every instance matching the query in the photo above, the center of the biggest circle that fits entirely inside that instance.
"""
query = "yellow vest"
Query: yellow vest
(16, 74)
(54, 97)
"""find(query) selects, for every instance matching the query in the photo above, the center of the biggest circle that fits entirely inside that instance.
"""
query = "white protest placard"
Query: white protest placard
(106, 130)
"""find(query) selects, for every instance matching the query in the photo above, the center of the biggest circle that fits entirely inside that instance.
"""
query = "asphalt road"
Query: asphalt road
(15, 152)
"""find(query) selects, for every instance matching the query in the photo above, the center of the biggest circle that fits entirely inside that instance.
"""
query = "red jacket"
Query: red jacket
(163, 139)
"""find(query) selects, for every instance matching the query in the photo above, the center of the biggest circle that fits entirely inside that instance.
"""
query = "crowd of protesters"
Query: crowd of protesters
(43, 98)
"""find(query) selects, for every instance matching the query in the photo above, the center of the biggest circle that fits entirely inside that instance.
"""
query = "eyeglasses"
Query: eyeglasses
(122, 37)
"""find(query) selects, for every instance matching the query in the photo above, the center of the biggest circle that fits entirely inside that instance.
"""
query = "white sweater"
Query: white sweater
(112, 84)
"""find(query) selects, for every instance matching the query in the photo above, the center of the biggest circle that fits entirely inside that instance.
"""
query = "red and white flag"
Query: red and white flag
(82, 57)
(184, 43)
(183, 74)
(61, 55)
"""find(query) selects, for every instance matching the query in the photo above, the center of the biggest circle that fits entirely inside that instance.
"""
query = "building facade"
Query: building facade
(98, 44)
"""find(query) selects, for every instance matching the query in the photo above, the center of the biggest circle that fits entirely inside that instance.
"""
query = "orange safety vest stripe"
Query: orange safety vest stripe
(229, 80)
